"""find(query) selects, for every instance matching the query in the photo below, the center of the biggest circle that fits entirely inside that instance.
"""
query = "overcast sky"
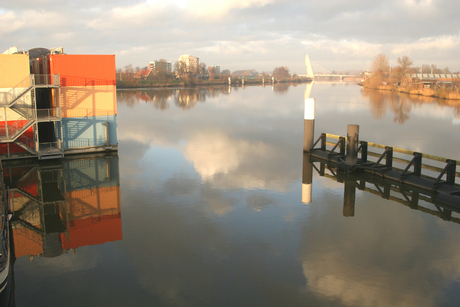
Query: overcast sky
(244, 34)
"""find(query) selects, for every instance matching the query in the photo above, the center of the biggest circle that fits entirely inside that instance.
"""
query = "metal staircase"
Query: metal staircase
(24, 117)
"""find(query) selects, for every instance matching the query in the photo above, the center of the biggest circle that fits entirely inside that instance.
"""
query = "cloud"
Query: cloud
(215, 153)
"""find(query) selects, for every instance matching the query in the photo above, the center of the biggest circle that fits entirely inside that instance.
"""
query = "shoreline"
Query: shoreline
(238, 82)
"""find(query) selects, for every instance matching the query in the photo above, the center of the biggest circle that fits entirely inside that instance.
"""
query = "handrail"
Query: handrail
(19, 89)
(26, 141)
(396, 149)
(49, 113)
(47, 79)
(51, 145)
(428, 167)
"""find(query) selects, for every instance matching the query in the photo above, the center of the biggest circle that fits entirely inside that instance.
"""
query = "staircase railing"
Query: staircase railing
(47, 79)
(7, 98)
(51, 145)
(13, 129)
(17, 91)
(49, 114)
(26, 142)
(26, 111)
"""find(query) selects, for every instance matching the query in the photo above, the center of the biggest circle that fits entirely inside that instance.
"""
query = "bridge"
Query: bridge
(314, 70)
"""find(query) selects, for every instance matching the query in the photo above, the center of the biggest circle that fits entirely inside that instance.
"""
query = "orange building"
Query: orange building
(53, 103)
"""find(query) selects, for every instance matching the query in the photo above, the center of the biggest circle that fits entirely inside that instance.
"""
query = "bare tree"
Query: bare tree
(404, 65)
(202, 71)
(380, 65)
(180, 67)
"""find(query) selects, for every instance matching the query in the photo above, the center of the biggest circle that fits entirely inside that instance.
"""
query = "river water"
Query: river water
(203, 207)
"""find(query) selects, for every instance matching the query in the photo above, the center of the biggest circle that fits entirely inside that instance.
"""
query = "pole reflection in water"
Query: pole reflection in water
(60, 206)
(385, 188)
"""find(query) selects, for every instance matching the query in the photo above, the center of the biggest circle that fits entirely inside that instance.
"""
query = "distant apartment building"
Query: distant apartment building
(157, 65)
(191, 63)
(214, 70)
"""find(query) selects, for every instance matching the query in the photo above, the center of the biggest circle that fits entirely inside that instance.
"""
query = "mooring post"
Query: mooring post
(309, 124)
(352, 144)
(307, 179)
(349, 198)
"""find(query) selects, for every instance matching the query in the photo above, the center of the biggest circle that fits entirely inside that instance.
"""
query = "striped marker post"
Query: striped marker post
(307, 179)
(309, 124)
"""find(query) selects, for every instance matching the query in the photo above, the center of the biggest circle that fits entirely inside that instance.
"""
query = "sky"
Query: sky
(245, 34)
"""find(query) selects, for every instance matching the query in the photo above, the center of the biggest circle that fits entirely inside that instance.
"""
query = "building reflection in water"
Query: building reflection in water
(60, 206)
(185, 98)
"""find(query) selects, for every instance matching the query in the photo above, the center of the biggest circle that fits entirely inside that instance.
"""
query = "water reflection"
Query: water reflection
(409, 196)
(61, 206)
(216, 192)
(374, 251)
(185, 98)
(380, 102)
(401, 104)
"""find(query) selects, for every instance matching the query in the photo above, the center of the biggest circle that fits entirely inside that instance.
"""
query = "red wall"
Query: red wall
(83, 70)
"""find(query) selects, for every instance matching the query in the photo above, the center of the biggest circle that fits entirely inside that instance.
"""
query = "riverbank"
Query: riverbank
(199, 82)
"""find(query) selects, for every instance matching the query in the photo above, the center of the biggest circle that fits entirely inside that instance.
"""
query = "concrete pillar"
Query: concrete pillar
(307, 179)
(309, 124)
(352, 144)
(229, 81)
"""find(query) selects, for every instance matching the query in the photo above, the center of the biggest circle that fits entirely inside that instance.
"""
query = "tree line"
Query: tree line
(384, 76)
(182, 73)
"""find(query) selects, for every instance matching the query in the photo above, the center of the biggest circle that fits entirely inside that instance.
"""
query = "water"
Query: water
(210, 201)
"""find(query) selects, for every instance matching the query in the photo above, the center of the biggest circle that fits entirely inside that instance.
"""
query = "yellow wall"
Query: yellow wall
(82, 101)
(14, 68)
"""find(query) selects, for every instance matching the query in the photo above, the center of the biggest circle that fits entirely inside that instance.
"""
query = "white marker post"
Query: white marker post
(307, 179)
(309, 124)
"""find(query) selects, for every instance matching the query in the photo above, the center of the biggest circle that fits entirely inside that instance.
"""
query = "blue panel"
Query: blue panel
(89, 131)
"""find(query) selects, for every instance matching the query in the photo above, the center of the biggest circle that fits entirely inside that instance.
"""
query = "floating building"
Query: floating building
(52, 104)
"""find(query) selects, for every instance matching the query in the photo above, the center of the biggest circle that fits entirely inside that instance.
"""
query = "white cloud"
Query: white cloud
(215, 153)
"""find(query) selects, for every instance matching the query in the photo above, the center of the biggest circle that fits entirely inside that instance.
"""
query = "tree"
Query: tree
(180, 67)
(202, 71)
(161, 69)
(380, 65)
(281, 73)
(404, 66)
